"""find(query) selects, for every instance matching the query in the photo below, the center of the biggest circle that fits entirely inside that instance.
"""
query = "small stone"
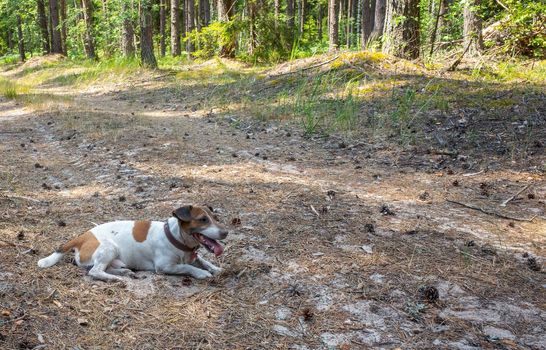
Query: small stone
(83, 322)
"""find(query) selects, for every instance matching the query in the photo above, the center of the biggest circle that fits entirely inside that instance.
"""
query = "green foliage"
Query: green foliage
(212, 38)
(523, 28)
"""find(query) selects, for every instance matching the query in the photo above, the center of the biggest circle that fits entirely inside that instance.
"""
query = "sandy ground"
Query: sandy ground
(332, 245)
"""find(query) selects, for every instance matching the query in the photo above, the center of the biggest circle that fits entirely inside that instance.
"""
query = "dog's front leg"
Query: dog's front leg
(183, 269)
(207, 265)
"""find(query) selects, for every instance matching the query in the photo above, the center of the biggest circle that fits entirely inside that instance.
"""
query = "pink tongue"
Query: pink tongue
(218, 249)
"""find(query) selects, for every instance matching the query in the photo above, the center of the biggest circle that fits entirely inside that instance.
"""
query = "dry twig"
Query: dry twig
(490, 212)
(503, 204)
(306, 68)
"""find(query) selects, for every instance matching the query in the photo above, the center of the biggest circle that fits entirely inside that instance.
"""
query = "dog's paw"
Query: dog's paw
(202, 274)
(216, 271)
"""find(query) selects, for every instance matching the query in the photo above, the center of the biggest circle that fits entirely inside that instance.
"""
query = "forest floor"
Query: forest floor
(345, 233)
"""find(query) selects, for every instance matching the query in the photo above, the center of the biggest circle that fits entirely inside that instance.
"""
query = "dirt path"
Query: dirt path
(339, 245)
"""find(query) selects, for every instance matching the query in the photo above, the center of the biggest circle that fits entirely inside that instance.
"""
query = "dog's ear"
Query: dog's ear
(183, 213)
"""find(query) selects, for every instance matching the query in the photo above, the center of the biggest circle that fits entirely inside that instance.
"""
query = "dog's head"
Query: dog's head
(201, 224)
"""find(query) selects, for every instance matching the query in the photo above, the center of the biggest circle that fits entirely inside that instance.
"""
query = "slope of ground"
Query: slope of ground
(338, 240)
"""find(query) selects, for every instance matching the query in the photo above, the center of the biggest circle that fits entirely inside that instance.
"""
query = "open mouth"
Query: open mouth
(212, 245)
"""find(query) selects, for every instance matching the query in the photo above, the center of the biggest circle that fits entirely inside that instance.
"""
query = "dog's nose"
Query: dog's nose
(223, 234)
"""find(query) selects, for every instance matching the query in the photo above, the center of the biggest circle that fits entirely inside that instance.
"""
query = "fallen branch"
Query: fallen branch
(314, 211)
(306, 68)
(474, 174)
(13, 196)
(491, 212)
(458, 60)
(503, 204)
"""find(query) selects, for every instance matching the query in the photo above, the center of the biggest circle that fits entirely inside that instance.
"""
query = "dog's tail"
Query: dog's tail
(58, 254)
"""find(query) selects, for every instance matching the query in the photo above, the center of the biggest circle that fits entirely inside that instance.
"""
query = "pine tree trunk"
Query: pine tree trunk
(128, 32)
(175, 28)
(333, 27)
(42, 24)
(349, 24)
(89, 46)
(290, 22)
(251, 8)
(319, 22)
(302, 16)
(444, 9)
(190, 23)
(402, 36)
(472, 28)
(367, 21)
(62, 5)
(276, 9)
(162, 16)
(20, 40)
(56, 44)
(226, 10)
(379, 19)
(435, 28)
(147, 56)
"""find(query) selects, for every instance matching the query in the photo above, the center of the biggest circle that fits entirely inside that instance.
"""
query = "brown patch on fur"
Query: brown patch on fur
(86, 244)
(140, 230)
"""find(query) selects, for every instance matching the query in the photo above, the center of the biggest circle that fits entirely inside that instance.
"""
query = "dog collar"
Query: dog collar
(176, 242)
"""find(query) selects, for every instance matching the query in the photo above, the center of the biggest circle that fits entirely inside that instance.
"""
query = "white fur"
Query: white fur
(50, 260)
(118, 252)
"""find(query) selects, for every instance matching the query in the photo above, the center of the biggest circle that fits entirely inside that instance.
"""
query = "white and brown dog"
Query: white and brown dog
(116, 248)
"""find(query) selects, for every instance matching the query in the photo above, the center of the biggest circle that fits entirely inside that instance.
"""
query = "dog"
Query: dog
(117, 248)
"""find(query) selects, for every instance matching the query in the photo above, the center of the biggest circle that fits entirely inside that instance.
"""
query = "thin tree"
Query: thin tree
(162, 17)
(379, 19)
(42, 24)
(56, 44)
(290, 14)
(333, 27)
(319, 21)
(62, 8)
(303, 5)
(175, 28)
(401, 37)
(367, 16)
(190, 23)
(20, 40)
(128, 31)
(89, 44)
(472, 27)
(147, 56)
(276, 11)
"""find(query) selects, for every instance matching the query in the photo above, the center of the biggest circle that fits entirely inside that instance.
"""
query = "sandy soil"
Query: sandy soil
(333, 245)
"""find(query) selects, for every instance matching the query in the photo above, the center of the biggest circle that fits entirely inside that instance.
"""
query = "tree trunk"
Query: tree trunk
(472, 28)
(276, 9)
(128, 31)
(147, 56)
(303, 4)
(444, 8)
(349, 24)
(435, 28)
(42, 24)
(251, 8)
(319, 22)
(62, 5)
(226, 11)
(402, 28)
(367, 21)
(290, 13)
(379, 19)
(162, 4)
(56, 44)
(190, 23)
(88, 41)
(333, 27)
(20, 40)
(175, 27)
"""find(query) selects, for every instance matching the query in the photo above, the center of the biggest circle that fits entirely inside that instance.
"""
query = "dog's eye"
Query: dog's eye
(204, 219)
